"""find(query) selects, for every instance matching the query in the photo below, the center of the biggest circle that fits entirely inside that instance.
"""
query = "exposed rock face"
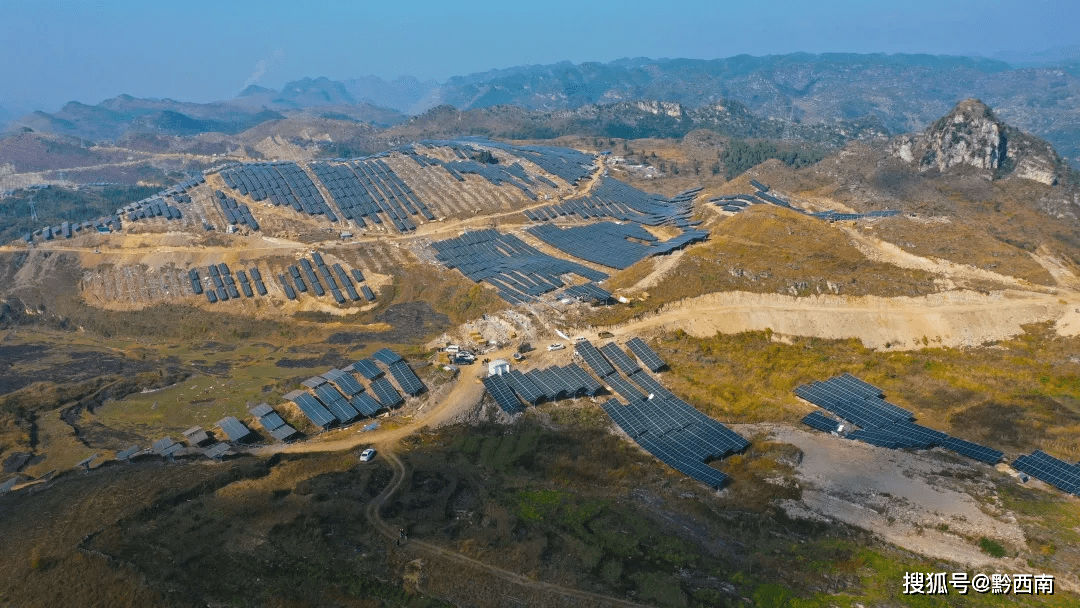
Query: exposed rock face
(970, 136)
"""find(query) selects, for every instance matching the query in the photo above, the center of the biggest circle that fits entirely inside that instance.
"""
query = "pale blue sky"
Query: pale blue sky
(198, 50)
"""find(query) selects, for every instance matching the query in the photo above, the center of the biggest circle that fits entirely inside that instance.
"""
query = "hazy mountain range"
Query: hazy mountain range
(895, 93)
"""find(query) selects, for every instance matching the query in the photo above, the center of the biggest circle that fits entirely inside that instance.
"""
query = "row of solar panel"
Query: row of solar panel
(588, 292)
(235, 213)
(513, 390)
(738, 202)
(880, 422)
(283, 184)
(67, 230)
(342, 281)
(364, 189)
(339, 397)
(224, 286)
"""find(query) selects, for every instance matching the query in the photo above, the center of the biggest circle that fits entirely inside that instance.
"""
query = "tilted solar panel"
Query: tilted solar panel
(387, 356)
(367, 369)
(619, 358)
(386, 393)
(504, 397)
(593, 358)
(646, 355)
(406, 378)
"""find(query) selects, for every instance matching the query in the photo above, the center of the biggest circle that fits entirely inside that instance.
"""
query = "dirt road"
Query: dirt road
(955, 318)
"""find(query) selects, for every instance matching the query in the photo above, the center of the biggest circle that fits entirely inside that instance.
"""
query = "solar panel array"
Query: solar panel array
(737, 202)
(406, 378)
(235, 213)
(882, 423)
(221, 286)
(284, 184)
(550, 384)
(646, 355)
(102, 225)
(611, 198)
(320, 278)
(679, 435)
(609, 244)
(587, 292)
(821, 422)
(567, 164)
(368, 191)
(519, 271)
(310, 406)
(272, 422)
(1062, 475)
(336, 403)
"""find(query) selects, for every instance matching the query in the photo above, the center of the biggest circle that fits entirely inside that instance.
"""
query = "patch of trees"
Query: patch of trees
(742, 155)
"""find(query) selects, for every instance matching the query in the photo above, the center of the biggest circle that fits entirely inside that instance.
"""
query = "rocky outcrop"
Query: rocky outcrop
(970, 137)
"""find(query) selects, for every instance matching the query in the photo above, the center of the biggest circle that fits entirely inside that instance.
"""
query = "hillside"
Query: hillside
(187, 380)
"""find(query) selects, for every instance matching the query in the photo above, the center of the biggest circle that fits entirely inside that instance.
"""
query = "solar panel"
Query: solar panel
(365, 404)
(261, 410)
(972, 450)
(523, 387)
(821, 422)
(283, 432)
(233, 428)
(623, 387)
(128, 452)
(344, 381)
(314, 382)
(386, 393)
(406, 378)
(216, 451)
(167, 447)
(646, 355)
(1058, 473)
(367, 369)
(593, 358)
(271, 421)
(368, 294)
(506, 400)
(315, 411)
(592, 387)
(619, 358)
(387, 356)
(650, 386)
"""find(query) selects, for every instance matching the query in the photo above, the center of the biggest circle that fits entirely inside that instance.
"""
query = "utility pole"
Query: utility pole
(33, 211)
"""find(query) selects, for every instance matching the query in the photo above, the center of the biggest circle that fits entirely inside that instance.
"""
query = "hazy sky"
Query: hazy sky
(198, 50)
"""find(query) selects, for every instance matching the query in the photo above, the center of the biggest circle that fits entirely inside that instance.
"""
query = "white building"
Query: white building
(498, 367)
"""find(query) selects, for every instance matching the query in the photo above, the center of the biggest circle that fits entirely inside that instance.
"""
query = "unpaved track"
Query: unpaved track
(372, 512)
(954, 319)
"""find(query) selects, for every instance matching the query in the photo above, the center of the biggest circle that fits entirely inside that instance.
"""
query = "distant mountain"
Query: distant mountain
(125, 115)
(405, 94)
(892, 93)
(626, 119)
(901, 92)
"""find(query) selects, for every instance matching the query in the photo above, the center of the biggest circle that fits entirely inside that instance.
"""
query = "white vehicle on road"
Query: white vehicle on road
(367, 455)
(556, 346)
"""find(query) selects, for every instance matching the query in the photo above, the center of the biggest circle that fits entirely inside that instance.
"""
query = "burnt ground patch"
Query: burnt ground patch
(23, 365)
(411, 322)
(331, 359)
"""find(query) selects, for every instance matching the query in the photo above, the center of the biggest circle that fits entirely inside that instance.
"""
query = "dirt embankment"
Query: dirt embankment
(954, 318)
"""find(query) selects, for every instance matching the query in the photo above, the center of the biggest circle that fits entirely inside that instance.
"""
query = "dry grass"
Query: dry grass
(768, 249)
(1016, 396)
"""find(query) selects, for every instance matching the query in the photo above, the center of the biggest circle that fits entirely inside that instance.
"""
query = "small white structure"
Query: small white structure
(498, 367)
